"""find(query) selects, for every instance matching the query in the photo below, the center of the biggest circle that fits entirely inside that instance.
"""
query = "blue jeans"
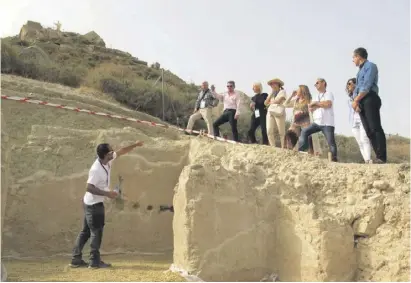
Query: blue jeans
(93, 224)
(328, 132)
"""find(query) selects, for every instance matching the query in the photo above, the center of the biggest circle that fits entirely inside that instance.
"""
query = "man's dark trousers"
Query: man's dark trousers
(93, 224)
(370, 107)
(227, 116)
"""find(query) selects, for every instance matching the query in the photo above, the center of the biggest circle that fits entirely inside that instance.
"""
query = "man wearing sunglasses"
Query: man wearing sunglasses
(231, 112)
(368, 103)
(94, 215)
(323, 119)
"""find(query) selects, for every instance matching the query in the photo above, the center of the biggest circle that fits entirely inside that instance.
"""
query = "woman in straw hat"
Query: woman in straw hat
(276, 111)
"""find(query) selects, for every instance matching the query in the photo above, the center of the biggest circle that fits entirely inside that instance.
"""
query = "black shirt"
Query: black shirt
(259, 99)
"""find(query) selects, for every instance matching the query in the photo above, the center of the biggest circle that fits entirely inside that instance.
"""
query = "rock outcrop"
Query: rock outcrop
(33, 31)
(94, 39)
(243, 213)
(30, 30)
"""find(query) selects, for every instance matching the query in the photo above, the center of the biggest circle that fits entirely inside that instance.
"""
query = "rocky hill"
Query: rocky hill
(84, 61)
(241, 212)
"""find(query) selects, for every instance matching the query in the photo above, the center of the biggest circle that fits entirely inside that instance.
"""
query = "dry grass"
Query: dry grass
(125, 268)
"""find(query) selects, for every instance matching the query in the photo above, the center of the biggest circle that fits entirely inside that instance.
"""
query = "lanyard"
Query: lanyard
(105, 170)
(320, 97)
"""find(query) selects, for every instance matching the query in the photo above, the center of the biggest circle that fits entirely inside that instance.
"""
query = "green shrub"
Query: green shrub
(31, 67)
(10, 63)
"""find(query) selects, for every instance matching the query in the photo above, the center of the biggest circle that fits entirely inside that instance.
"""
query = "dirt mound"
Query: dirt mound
(241, 212)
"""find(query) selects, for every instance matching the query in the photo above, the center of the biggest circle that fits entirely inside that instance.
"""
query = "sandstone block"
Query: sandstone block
(372, 216)
(254, 232)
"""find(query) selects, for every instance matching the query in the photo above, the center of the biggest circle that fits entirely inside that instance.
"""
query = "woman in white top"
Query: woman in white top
(276, 111)
(357, 127)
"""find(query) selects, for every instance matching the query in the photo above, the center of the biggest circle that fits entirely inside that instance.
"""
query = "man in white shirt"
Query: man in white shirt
(323, 119)
(94, 216)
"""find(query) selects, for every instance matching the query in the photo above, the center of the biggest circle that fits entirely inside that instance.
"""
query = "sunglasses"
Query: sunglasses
(350, 83)
(229, 85)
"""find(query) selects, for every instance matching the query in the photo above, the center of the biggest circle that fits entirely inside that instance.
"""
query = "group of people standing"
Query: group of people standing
(311, 114)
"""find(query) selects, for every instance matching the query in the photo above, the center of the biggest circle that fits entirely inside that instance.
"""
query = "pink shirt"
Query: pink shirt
(231, 101)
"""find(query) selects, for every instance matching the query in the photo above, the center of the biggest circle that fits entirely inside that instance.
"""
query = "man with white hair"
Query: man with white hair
(202, 109)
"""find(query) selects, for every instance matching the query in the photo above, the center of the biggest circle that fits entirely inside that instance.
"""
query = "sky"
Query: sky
(249, 41)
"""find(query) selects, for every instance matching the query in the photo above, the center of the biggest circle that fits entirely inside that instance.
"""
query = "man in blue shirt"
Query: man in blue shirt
(368, 103)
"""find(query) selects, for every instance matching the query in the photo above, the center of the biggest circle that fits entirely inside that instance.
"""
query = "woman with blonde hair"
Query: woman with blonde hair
(259, 116)
(299, 101)
(276, 111)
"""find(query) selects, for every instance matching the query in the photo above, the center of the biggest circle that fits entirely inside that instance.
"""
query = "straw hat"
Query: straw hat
(277, 81)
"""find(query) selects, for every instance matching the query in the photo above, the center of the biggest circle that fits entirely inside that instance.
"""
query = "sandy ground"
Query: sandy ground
(125, 268)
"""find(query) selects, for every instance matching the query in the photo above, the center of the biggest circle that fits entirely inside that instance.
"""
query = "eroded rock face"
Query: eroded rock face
(44, 174)
(245, 213)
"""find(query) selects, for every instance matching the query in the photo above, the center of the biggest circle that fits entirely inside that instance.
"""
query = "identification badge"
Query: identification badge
(257, 113)
(202, 104)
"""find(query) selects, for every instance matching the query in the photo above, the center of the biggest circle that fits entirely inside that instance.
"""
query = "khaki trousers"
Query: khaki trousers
(206, 114)
(275, 122)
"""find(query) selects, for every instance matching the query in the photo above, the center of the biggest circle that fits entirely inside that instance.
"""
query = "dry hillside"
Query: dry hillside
(241, 212)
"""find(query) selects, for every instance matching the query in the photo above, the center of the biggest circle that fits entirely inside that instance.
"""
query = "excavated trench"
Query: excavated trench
(46, 155)
(228, 212)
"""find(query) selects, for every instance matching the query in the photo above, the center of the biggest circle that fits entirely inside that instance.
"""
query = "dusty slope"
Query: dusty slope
(240, 213)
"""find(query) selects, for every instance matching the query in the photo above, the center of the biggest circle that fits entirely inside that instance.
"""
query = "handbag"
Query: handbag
(277, 109)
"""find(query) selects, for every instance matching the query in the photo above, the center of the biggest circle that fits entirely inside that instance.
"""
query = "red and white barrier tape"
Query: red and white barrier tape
(40, 102)
(76, 109)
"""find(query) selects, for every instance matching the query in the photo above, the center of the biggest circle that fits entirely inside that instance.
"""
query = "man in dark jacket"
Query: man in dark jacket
(202, 109)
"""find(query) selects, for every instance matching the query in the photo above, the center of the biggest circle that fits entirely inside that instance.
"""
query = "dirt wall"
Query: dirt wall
(45, 166)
